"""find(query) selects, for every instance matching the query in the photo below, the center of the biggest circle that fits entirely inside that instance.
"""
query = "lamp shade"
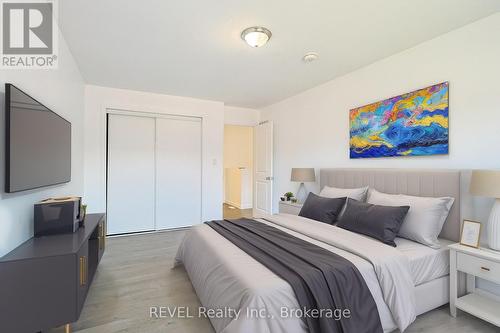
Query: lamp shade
(485, 183)
(303, 175)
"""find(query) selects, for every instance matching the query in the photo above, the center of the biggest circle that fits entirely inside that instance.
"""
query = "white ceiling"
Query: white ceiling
(193, 48)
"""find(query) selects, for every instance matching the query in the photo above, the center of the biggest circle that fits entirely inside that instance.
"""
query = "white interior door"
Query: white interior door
(178, 172)
(131, 174)
(263, 180)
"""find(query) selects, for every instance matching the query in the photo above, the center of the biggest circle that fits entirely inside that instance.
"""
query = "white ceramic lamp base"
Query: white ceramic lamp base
(494, 227)
(302, 193)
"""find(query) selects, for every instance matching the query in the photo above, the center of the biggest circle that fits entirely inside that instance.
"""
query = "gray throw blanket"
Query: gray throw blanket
(321, 280)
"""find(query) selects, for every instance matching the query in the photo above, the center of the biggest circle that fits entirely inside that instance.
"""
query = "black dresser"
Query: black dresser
(45, 280)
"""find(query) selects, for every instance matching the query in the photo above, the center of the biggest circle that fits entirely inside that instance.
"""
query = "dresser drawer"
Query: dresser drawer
(479, 267)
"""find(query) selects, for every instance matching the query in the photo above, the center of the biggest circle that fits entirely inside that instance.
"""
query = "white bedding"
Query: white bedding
(225, 276)
(426, 263)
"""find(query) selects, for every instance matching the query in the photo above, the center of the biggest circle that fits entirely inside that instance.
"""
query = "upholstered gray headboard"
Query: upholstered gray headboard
(427, 183)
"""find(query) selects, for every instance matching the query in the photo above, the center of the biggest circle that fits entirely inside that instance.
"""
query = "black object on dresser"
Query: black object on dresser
(45, 280)
(57, 216)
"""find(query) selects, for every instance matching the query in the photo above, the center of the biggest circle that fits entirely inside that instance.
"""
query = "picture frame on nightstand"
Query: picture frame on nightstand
(471, 233)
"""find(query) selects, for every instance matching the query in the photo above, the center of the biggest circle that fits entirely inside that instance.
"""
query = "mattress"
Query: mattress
(426, 263)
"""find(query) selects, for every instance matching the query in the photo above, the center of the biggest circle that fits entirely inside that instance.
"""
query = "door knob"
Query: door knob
(269, 178)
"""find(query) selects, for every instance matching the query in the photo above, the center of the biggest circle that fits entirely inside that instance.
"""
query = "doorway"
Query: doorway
(238, 171)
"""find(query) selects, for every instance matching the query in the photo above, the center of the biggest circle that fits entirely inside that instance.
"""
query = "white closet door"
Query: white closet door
(178, 172)
(131, 174)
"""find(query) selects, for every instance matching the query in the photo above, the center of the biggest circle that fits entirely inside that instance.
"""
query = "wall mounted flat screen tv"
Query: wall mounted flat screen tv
(38, 143)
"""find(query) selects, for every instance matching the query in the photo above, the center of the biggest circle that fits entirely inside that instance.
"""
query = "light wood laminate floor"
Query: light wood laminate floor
(136, 273)
(231, 212)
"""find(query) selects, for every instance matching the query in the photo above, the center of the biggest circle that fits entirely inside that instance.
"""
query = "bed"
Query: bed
(405, 281)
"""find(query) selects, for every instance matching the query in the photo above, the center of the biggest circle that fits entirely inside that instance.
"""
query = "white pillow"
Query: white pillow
(424, 220)
(353, 193)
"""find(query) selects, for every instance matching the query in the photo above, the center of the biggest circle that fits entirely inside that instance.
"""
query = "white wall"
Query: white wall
(238, 152)
(312, 128)
(98, 99)
(238, 187)
(62, 90)
(241, 116)
(238, 146)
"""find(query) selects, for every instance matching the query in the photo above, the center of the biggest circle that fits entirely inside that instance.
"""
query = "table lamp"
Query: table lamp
(486, 183)
(302, 175)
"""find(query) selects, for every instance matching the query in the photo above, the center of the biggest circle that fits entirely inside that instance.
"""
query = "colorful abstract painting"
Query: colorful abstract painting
(412, 124)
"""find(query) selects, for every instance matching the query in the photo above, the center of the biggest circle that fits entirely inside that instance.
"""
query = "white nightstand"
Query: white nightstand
(289, 207)
(482, 263)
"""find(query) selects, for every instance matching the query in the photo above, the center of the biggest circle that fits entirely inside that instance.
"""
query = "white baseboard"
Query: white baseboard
(239, 206)
(234, 204)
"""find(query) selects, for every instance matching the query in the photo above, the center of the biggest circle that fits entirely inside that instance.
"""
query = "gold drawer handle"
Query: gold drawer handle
(101, 243)
(83, 271)
(485, 269)
(101, 236)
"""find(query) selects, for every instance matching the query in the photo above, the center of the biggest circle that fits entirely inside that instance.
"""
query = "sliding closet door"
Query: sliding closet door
(131, 174)
(178, 172)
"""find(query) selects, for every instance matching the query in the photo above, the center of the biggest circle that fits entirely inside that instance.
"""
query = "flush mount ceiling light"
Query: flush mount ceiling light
(256, 36)
(310, 57)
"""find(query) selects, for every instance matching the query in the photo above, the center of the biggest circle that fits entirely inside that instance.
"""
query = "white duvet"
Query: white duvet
(225, 277)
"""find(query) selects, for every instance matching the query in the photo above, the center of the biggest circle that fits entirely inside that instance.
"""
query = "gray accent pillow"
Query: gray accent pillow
(322, 209)
(353, 193)
(379, 222)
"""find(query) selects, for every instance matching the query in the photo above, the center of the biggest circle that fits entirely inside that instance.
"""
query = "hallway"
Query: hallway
(231, 212)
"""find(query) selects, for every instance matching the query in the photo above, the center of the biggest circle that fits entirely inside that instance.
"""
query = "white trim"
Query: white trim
(234, 204)
(230, 203)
